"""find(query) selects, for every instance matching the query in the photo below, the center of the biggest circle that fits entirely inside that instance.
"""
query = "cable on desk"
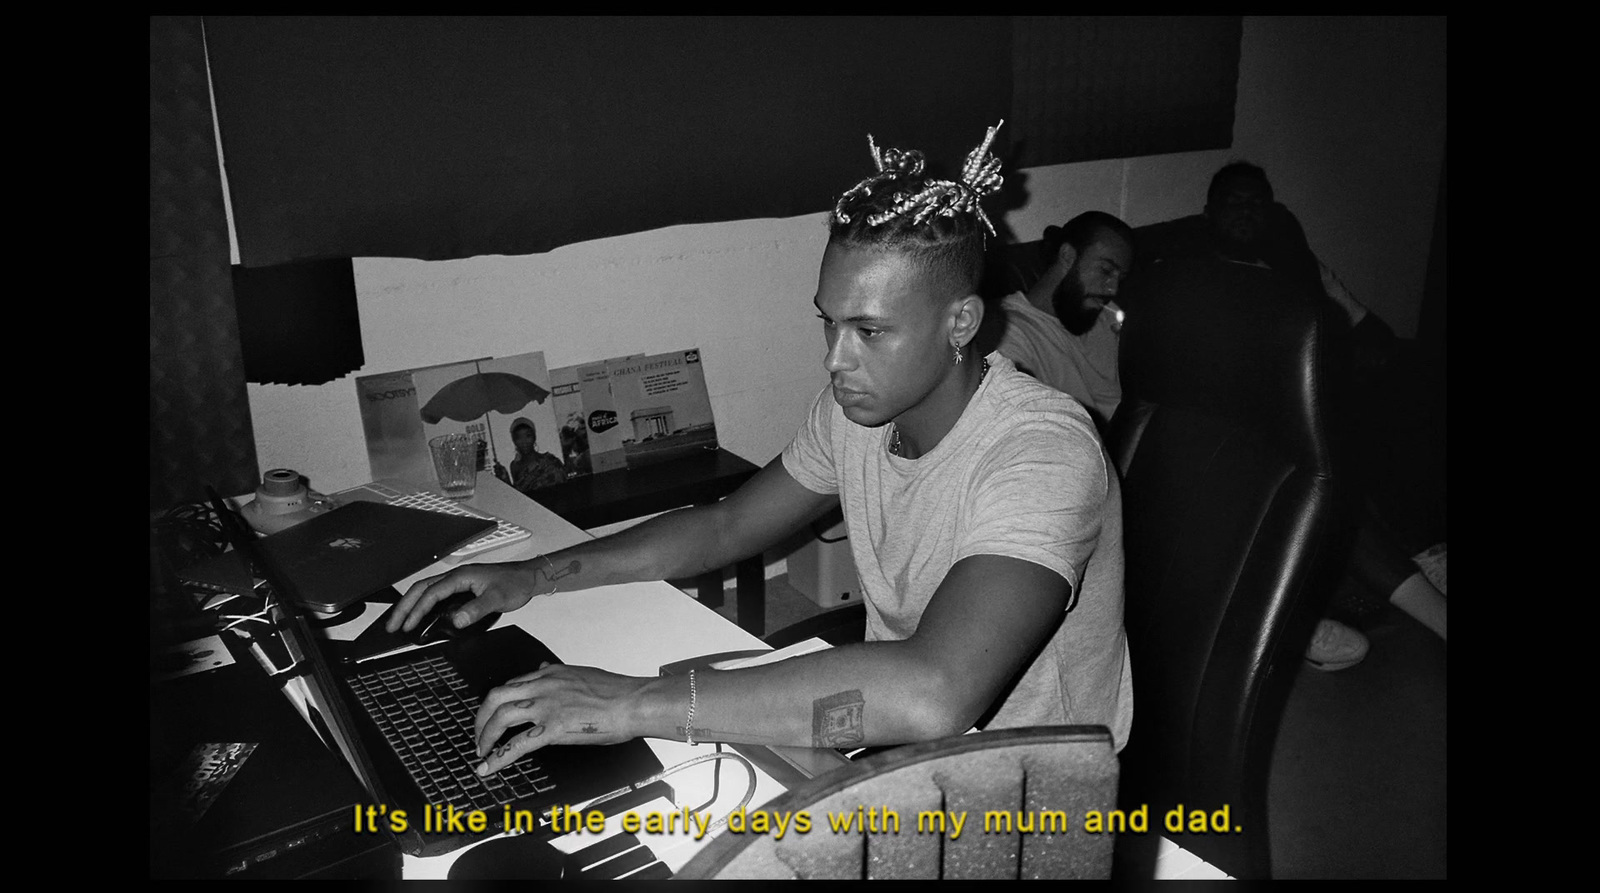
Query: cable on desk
(716, 783)
(749, 792)
(268, 601)
(236, 619)
(190, 531)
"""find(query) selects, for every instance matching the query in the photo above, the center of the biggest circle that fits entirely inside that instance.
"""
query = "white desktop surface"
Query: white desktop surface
(634, 629)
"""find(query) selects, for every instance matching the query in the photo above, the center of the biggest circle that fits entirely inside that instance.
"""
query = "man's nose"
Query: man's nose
(838, 358)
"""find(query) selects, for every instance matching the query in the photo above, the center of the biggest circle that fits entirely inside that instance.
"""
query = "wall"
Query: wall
(1346, 114)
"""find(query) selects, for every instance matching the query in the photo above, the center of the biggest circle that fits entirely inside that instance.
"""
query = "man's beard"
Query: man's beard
(1239, 240)
(1073, 307)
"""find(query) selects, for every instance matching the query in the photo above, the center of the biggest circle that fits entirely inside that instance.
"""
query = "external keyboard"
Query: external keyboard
(504, 532)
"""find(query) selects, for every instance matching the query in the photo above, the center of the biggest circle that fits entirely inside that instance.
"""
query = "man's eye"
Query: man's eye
(871, 333)
(826, 322)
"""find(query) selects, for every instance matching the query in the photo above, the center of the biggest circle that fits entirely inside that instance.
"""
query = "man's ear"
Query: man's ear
(967, 316)
(1066, 255)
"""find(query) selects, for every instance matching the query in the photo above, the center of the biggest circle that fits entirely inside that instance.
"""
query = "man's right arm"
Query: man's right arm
(684, 543)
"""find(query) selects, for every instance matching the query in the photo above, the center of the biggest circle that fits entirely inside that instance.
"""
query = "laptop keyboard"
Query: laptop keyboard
(425, 711)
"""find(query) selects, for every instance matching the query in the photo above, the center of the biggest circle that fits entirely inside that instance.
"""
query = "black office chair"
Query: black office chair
(1224, 445)
(1044, 779)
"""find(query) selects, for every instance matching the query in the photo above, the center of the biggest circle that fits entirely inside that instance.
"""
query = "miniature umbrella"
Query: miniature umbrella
(470, 397)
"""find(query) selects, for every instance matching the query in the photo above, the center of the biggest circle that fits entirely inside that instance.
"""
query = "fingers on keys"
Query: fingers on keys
(507, 706)
(510, 750)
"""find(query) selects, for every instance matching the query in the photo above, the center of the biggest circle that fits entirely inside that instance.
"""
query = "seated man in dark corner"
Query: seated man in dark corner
(1243, 224)
(1064, 330)
(985, 521)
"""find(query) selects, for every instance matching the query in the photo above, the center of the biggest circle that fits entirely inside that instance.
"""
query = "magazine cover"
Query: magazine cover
(590, 439)
(391, 419)
(505, 402)
(663, 408)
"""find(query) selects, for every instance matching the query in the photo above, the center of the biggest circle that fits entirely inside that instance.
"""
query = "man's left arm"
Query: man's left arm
(984, 624)
(1373, 342)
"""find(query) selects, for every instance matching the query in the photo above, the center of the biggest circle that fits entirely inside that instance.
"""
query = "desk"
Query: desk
(632, 629)
(697, 479)
(635, 629)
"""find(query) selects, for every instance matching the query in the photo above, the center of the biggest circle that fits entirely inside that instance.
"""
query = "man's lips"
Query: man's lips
(847, 397)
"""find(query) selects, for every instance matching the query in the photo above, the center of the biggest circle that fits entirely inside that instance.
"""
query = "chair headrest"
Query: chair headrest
(1233, 341)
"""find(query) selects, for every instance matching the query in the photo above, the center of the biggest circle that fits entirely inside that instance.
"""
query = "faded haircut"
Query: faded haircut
(949, 248)
(938, 224)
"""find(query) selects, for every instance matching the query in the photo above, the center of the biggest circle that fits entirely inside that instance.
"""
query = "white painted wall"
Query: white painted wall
(1345, 113)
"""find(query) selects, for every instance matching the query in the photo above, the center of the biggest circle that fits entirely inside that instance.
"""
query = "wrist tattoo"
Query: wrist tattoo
(572, 567)
(837, 720)
(554, 574)
(551, 573)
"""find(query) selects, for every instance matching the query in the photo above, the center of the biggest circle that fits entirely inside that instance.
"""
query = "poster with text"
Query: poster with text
(662, 406)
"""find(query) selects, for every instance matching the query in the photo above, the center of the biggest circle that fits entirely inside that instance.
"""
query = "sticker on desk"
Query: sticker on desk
(197, 656)
(206, 771)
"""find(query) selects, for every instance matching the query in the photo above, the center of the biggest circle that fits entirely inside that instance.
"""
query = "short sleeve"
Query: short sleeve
(1041, 496)
(809, 458)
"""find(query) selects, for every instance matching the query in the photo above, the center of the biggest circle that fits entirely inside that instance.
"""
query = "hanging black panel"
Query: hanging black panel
(298, 323)
(450, 137)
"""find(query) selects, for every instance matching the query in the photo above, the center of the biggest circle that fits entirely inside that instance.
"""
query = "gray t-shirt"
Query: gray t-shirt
(1084, 366)
(1022, 474)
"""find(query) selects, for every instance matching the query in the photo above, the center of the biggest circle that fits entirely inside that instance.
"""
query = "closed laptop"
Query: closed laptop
(341, 557)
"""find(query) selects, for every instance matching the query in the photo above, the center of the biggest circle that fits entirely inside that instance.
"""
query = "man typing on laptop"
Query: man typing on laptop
(984, 517)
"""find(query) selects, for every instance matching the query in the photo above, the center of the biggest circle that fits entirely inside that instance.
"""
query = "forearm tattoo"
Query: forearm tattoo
(553, 573)
(836, 720)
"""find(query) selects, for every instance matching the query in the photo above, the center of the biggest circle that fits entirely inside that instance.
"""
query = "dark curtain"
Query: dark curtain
(1091, 87)
(449, 137)
(200, 429)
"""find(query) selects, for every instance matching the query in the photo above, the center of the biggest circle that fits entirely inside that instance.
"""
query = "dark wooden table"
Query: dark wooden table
(697, 479)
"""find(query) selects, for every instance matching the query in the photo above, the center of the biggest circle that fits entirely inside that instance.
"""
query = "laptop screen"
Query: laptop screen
(308, 680)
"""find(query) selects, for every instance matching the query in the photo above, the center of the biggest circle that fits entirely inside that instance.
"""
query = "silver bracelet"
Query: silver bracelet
(688, 724)
(552, 565)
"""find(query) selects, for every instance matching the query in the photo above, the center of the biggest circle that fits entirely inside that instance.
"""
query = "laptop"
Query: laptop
(404, 721)
(340, 557)
(240, 787)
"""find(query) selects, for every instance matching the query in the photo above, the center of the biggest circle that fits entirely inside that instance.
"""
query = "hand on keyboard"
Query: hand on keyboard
(558, 704)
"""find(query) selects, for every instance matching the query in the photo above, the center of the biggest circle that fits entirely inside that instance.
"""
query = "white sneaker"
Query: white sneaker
(1431, 562)
(1335, 646)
